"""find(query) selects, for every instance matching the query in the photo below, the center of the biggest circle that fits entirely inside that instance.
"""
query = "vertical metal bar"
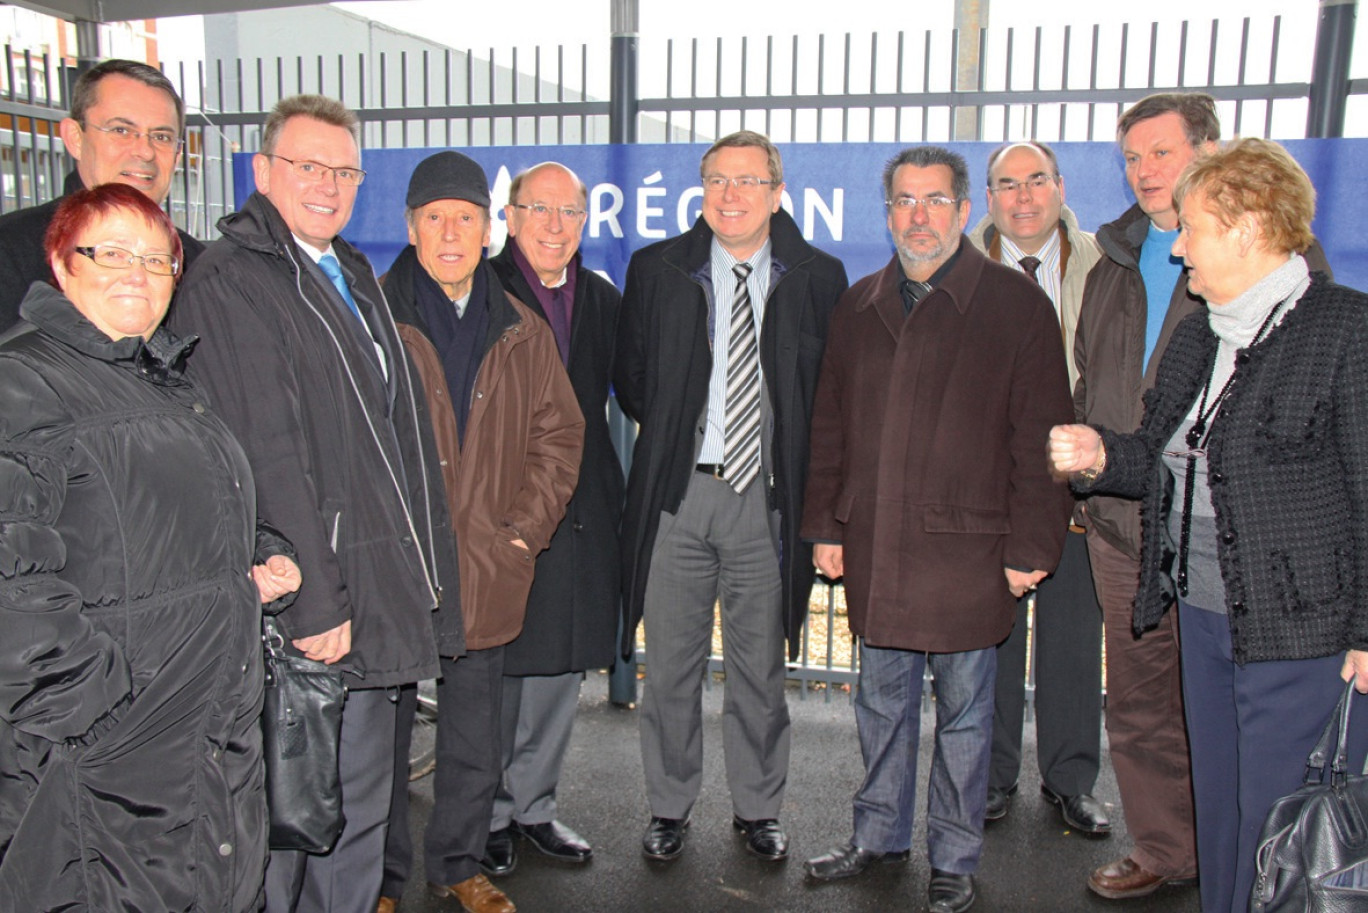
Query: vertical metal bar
(873, 83)
(1006, 109)
(769, 83)
(979, 114)
(1153, 54)
(1272, 74)
(1125, 48)
(1211, 55)
(845, 88)
(898, 88)
(1092, 76)
(717, 88)
(1035, 83)
(926, 82)
(821, 81)
(513, 81)
(669, 88)
(793, 83)
(1182, 53)
(693, 88)
(1242, 78)
(954, 78)
(1064, 84)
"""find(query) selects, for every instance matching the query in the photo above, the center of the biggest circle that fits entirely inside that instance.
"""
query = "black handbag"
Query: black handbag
(301, 723)
(1313, 850)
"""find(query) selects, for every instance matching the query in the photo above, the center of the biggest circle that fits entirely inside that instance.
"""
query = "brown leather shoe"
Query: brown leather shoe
(476, 894)
(1125, 878)
(386, 905)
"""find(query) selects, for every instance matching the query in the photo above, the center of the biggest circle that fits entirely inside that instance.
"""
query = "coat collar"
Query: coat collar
(691, 252)
(959, 284)
(161, 359)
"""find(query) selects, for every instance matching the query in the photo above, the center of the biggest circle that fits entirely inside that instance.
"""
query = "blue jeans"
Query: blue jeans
(888, 716)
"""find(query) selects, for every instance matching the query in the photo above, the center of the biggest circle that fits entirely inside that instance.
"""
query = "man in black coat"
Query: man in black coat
(714, 498)
(572, 611)
(127, 125)
(301, 356)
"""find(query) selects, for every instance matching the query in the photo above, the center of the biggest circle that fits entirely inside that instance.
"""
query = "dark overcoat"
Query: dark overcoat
(572, 611)
(928, 452)
(661, 377)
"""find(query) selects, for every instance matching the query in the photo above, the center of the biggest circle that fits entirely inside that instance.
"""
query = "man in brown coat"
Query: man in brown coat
(927, 491)
(510, 435)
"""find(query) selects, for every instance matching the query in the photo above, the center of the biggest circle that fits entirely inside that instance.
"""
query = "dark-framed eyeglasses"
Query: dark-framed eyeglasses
(317, 172)
(161, 140)
(112, 257)
(543, 212)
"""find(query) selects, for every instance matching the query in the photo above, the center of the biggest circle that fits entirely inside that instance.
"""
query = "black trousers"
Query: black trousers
(1068, 680)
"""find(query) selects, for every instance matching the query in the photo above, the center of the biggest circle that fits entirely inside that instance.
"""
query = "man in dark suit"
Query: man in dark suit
(572, 610)
(127, 125)
(943, 375)
(719, 343)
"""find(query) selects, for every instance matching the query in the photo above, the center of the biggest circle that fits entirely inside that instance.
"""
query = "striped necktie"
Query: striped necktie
(1030, 265)
(741, 449)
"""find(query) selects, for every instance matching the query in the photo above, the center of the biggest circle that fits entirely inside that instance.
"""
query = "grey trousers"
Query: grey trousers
(346, 880)
(718, 546)
(537, 719)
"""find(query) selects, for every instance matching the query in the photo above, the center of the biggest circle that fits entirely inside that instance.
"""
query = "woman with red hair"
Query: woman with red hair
(132, 572)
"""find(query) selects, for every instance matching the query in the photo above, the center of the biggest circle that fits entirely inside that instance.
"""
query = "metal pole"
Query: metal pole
(623, 101)
(622, 128)
(1330, 72)
(971, 18)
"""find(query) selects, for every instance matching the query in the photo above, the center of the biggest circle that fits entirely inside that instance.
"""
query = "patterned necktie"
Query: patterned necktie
(333, 270)
(912, 293)
(741, 450)
(1030, 265)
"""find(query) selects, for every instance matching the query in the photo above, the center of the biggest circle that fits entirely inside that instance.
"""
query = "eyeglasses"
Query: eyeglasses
(543, 212)
(933, 203)
(1008, 186)
(316, 172)
(161, 140)
(717, 184)
(111, 257)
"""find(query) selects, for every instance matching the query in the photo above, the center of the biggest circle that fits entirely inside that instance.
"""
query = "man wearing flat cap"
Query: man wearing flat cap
(509, 433)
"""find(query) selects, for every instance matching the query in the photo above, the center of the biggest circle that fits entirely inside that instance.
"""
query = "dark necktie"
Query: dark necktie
(1030, 265)
(560, 322)
(912, 292)
(741, 436)
(333, 270)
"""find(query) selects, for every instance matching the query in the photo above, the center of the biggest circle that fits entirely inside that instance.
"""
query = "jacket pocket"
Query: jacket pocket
(946, 518)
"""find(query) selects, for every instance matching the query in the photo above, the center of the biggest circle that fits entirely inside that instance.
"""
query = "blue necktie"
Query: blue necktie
(333, 270)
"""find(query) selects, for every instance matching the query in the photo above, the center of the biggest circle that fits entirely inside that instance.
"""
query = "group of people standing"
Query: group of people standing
(414, 474)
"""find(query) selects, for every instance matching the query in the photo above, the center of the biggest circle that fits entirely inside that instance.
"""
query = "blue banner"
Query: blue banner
(639, 194)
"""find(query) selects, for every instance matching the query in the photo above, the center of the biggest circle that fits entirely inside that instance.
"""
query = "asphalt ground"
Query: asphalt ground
(1031, 860)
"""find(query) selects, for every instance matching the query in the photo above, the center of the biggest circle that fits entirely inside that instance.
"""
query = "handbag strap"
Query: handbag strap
(1336, 733)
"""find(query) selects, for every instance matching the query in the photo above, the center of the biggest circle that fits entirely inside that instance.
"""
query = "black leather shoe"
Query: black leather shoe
(764, 837)
(1083, 813)
(950, 893)
(556, 840)
(664, 838)
(847, 861)
(500, 855)
(999, 802)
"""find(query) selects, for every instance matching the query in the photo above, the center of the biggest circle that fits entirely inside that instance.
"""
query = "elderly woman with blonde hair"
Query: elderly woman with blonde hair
(1252, 465)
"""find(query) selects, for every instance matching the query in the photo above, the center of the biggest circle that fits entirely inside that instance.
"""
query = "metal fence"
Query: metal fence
(1056, 84)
